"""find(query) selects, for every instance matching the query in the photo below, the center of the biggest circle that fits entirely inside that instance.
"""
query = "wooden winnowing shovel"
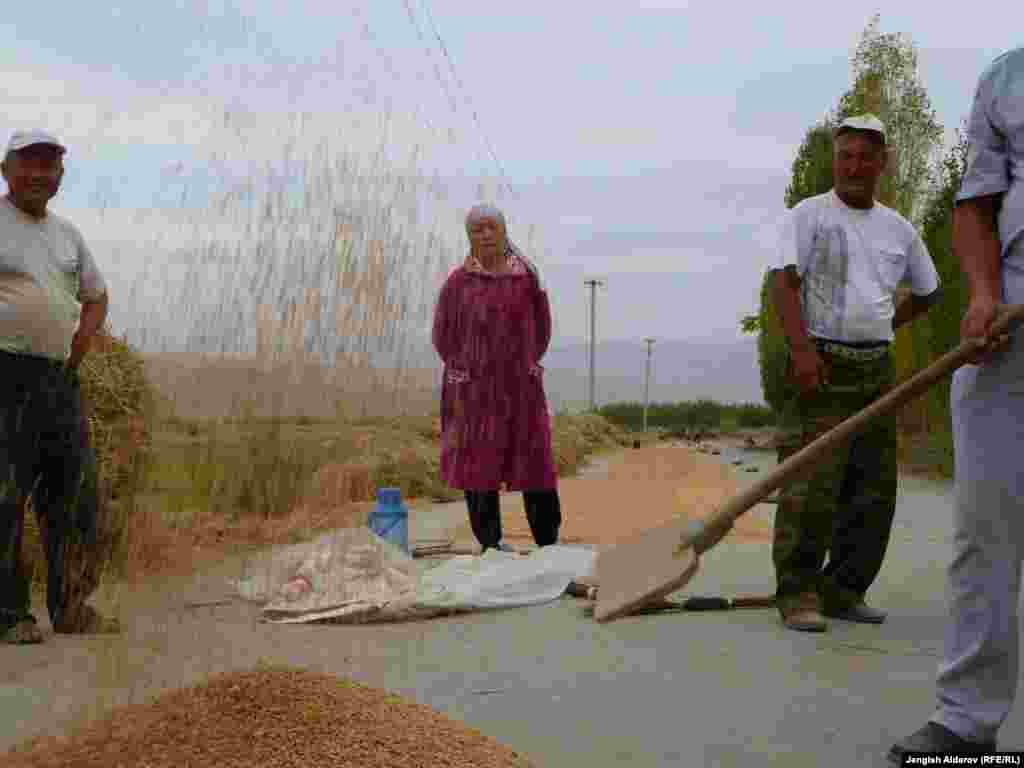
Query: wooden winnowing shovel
(649, 566)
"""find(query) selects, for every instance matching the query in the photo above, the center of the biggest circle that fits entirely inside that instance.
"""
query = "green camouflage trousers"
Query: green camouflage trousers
(843, 507)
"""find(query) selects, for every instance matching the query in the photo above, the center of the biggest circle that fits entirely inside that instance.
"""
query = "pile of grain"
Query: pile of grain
(271, 717)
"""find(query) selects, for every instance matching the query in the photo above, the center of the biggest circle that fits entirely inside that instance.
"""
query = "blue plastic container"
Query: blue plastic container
(390, 518)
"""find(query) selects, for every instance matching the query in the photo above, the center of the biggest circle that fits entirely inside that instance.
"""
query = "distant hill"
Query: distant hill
(726, 371)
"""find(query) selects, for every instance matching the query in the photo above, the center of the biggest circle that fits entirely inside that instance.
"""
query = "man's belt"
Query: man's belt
(21, 358)
(859, 353)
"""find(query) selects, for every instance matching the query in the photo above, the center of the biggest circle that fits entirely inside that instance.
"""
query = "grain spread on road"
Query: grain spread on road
(636, 490)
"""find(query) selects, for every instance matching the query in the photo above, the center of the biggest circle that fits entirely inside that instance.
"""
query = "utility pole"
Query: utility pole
(647, 380)
(593, 319)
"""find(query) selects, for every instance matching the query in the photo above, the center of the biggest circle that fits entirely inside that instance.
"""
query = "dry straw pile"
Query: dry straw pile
(121, 403)
(271, 717)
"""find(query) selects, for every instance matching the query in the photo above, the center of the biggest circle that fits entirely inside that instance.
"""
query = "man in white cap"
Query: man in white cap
(842, 257)
(980, 669)
(53, 300)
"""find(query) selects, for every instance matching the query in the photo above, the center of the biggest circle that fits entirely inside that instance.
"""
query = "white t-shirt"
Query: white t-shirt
(850, 262)
(46, 270)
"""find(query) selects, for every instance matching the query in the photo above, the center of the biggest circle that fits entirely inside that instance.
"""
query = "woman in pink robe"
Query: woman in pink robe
(492, 326)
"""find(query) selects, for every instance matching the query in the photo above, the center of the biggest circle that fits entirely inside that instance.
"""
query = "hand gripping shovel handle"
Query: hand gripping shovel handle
(702, 535)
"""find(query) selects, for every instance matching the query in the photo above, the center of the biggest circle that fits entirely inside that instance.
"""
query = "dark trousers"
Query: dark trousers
(543, 512)
(843, 506)
(44, 452)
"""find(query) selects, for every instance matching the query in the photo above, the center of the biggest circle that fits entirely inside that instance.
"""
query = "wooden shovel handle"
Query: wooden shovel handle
(711, 531)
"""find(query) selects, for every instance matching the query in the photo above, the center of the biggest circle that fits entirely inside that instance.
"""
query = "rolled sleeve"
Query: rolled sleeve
(988, 162)
(92, 286)
(793, 240)
(924, 278)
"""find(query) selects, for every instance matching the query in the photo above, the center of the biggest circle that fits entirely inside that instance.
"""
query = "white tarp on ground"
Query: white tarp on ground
(352, 575)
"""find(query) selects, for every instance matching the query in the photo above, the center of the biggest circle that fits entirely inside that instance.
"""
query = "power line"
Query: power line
(437, 72)
(458, 81)
(647, 379)
(593, 284)
(381, 55)
(431, 55)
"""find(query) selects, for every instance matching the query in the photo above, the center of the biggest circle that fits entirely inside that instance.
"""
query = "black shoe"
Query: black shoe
(860, 613)
(933, 737)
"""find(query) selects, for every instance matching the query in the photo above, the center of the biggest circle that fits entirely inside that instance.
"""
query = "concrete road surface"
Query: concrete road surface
(695, 689)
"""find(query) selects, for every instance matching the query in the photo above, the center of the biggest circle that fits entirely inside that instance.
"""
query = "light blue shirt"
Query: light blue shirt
(995, 159)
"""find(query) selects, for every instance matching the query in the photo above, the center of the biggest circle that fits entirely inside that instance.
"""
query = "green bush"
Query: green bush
(752, 416)
(689, 416)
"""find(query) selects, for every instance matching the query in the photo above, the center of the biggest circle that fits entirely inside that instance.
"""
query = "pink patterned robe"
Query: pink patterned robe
(491, 330)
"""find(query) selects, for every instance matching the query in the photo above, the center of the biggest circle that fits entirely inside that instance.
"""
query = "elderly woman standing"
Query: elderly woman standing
(492, 325)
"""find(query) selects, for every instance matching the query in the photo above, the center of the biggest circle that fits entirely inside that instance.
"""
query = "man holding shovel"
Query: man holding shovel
(842, 257)
(980, 669)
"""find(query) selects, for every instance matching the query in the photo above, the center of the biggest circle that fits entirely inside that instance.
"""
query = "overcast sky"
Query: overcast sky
(646, 143)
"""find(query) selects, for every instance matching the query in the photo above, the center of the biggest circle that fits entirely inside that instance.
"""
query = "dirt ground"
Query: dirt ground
(168, 644)
(544, 682)
(631, 491)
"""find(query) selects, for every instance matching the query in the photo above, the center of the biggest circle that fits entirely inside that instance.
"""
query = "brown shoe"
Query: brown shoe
(88, 621)
(801, 613)
(25, 632)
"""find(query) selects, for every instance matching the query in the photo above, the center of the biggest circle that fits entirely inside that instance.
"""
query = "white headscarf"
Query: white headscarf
(487, 211)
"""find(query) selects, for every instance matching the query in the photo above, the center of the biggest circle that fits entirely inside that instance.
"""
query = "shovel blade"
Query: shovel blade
(642, 569)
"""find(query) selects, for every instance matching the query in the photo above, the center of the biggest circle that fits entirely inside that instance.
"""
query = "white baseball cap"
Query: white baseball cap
(22, 139)
(866, 122)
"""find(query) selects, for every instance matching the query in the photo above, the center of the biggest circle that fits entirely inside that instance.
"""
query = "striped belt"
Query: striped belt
(857, 354)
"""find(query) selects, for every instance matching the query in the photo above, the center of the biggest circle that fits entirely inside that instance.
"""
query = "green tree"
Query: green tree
(937, 233)
(771, 348)
(886, 83)
(812, 168)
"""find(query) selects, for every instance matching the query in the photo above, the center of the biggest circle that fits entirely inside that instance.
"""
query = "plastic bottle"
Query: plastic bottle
(390, 518)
